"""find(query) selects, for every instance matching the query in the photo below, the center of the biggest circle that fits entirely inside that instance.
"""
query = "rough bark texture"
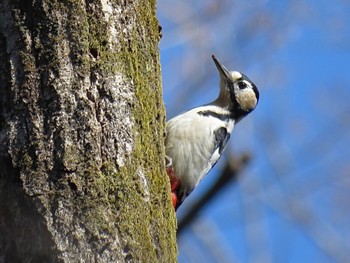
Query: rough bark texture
(82, 175)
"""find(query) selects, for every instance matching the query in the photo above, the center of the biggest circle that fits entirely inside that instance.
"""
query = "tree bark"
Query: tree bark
(82, 176)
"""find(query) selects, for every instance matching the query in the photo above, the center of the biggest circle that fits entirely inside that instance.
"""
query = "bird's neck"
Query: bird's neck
(223, 101)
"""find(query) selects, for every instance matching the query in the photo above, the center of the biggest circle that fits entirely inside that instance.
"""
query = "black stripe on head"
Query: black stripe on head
(223, 116)
(237, 111)
(256, 91)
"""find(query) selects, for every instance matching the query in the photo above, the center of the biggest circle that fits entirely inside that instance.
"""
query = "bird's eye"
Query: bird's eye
(242, 85)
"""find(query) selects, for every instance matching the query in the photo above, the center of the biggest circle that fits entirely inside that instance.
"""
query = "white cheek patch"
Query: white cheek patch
(235, 75)
(246, 99)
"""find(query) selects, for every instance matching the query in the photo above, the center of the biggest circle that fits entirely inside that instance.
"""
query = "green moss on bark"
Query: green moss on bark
(141, 216)
(141, 57)
(73, 191)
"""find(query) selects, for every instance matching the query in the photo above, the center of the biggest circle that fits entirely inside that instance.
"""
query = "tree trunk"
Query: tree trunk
(82, 176)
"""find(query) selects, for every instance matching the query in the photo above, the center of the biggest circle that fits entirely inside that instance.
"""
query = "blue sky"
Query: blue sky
(292, 201)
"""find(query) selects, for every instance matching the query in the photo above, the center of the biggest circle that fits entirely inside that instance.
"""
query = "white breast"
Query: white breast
(190, 138)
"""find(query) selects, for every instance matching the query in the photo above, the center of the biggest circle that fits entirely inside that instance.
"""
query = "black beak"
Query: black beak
(224, 73)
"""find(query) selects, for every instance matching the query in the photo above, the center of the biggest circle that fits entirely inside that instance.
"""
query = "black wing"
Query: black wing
(221, 139)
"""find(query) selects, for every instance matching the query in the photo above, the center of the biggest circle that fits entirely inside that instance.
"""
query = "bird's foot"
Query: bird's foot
(168, 161)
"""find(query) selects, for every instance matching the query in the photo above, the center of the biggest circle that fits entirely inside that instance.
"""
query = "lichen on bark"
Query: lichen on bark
(82, 133)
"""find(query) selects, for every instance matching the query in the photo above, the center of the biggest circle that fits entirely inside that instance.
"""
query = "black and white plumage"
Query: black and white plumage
(196, 139)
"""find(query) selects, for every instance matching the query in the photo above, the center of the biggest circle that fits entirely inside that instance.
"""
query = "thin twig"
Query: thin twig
(231, 172)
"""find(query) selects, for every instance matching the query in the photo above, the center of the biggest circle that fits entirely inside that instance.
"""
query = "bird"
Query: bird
(196, 139)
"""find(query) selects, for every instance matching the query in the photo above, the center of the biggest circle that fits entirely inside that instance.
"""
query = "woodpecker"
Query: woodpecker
(196, 139)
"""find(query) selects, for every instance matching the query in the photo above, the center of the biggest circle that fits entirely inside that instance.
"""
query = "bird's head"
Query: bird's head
(242, 92)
